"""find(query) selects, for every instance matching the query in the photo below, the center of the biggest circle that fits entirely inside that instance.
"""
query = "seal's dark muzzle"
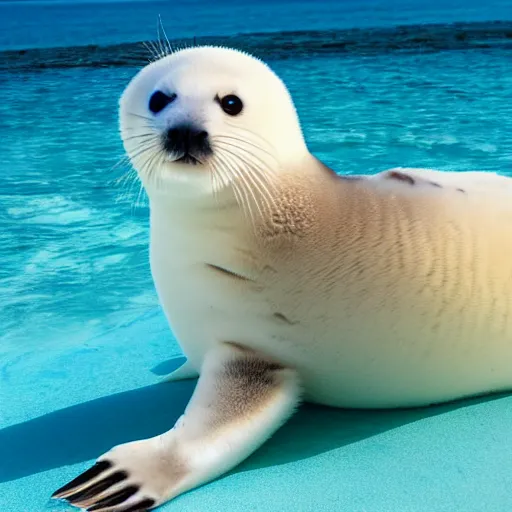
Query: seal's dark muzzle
(186, 142)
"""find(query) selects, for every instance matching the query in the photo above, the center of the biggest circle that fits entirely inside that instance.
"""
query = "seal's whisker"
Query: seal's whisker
(155, 52)
(144, 136)
(255, 185)
(243, 178)
(238, 174)
(265, 194)
(248, 142)
(128, 176)
(152, 168)
(219, 178)
(256, 173)
(138, 202)
(226, 143)
(214, 180)
(224, 169)
(138, 147)
(238, 198)
(153, 55)
(127, 180)
(160, 160)
(143, 128)
(262, 170)
(125, 159)
(215, 177)
(159, 40)
(257, 135)
(225, 181)
(144, 167)
(169, 49)
(135, 114)
(247, 212)
(126, 184)
(156, 49)
(260, 186)
(244, 186)
(265, 181)
(243, 202)
(233, 159)
(142, 148)
(250, 153)
(149, 47)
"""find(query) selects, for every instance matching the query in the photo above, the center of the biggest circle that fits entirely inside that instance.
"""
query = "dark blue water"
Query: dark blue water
(28, 24)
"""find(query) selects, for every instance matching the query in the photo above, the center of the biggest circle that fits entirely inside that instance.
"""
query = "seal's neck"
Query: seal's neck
(238, 205)
(182, 217)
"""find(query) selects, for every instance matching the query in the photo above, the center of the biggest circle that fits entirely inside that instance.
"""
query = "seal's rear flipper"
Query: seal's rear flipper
(184, 372)
(240, 400)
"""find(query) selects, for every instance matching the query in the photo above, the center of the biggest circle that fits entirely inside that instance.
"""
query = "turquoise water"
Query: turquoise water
(81, 335)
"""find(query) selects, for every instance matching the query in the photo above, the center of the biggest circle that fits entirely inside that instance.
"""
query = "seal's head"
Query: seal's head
(197, 120)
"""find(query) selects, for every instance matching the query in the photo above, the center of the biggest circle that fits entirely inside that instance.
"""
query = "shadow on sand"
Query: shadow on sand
(85, 431)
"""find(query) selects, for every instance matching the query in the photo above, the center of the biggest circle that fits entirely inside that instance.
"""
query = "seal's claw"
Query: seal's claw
(82, 480)
(94, 487)
(115, 499)
(132, 477)
(89, 493)
(103, 488)
(141, 506)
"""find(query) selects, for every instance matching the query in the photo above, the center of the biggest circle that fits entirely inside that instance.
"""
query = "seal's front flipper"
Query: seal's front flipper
(241, 399)
(184, 372)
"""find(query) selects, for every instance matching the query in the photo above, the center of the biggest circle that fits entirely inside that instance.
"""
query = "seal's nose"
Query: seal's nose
(186, 140)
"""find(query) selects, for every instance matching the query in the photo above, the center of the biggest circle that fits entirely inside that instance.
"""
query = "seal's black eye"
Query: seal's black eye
(231, 104)
(159, 101)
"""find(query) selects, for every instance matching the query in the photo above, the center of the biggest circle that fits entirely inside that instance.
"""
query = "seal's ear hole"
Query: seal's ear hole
(159, 100)
(231, 104)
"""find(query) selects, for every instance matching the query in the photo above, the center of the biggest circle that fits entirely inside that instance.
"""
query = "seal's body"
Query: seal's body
(381, 292)
(283, 281)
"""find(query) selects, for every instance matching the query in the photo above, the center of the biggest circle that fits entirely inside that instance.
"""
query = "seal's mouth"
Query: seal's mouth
(188, 159)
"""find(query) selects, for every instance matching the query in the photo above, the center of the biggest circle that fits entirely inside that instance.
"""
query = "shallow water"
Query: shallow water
(79, 316)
